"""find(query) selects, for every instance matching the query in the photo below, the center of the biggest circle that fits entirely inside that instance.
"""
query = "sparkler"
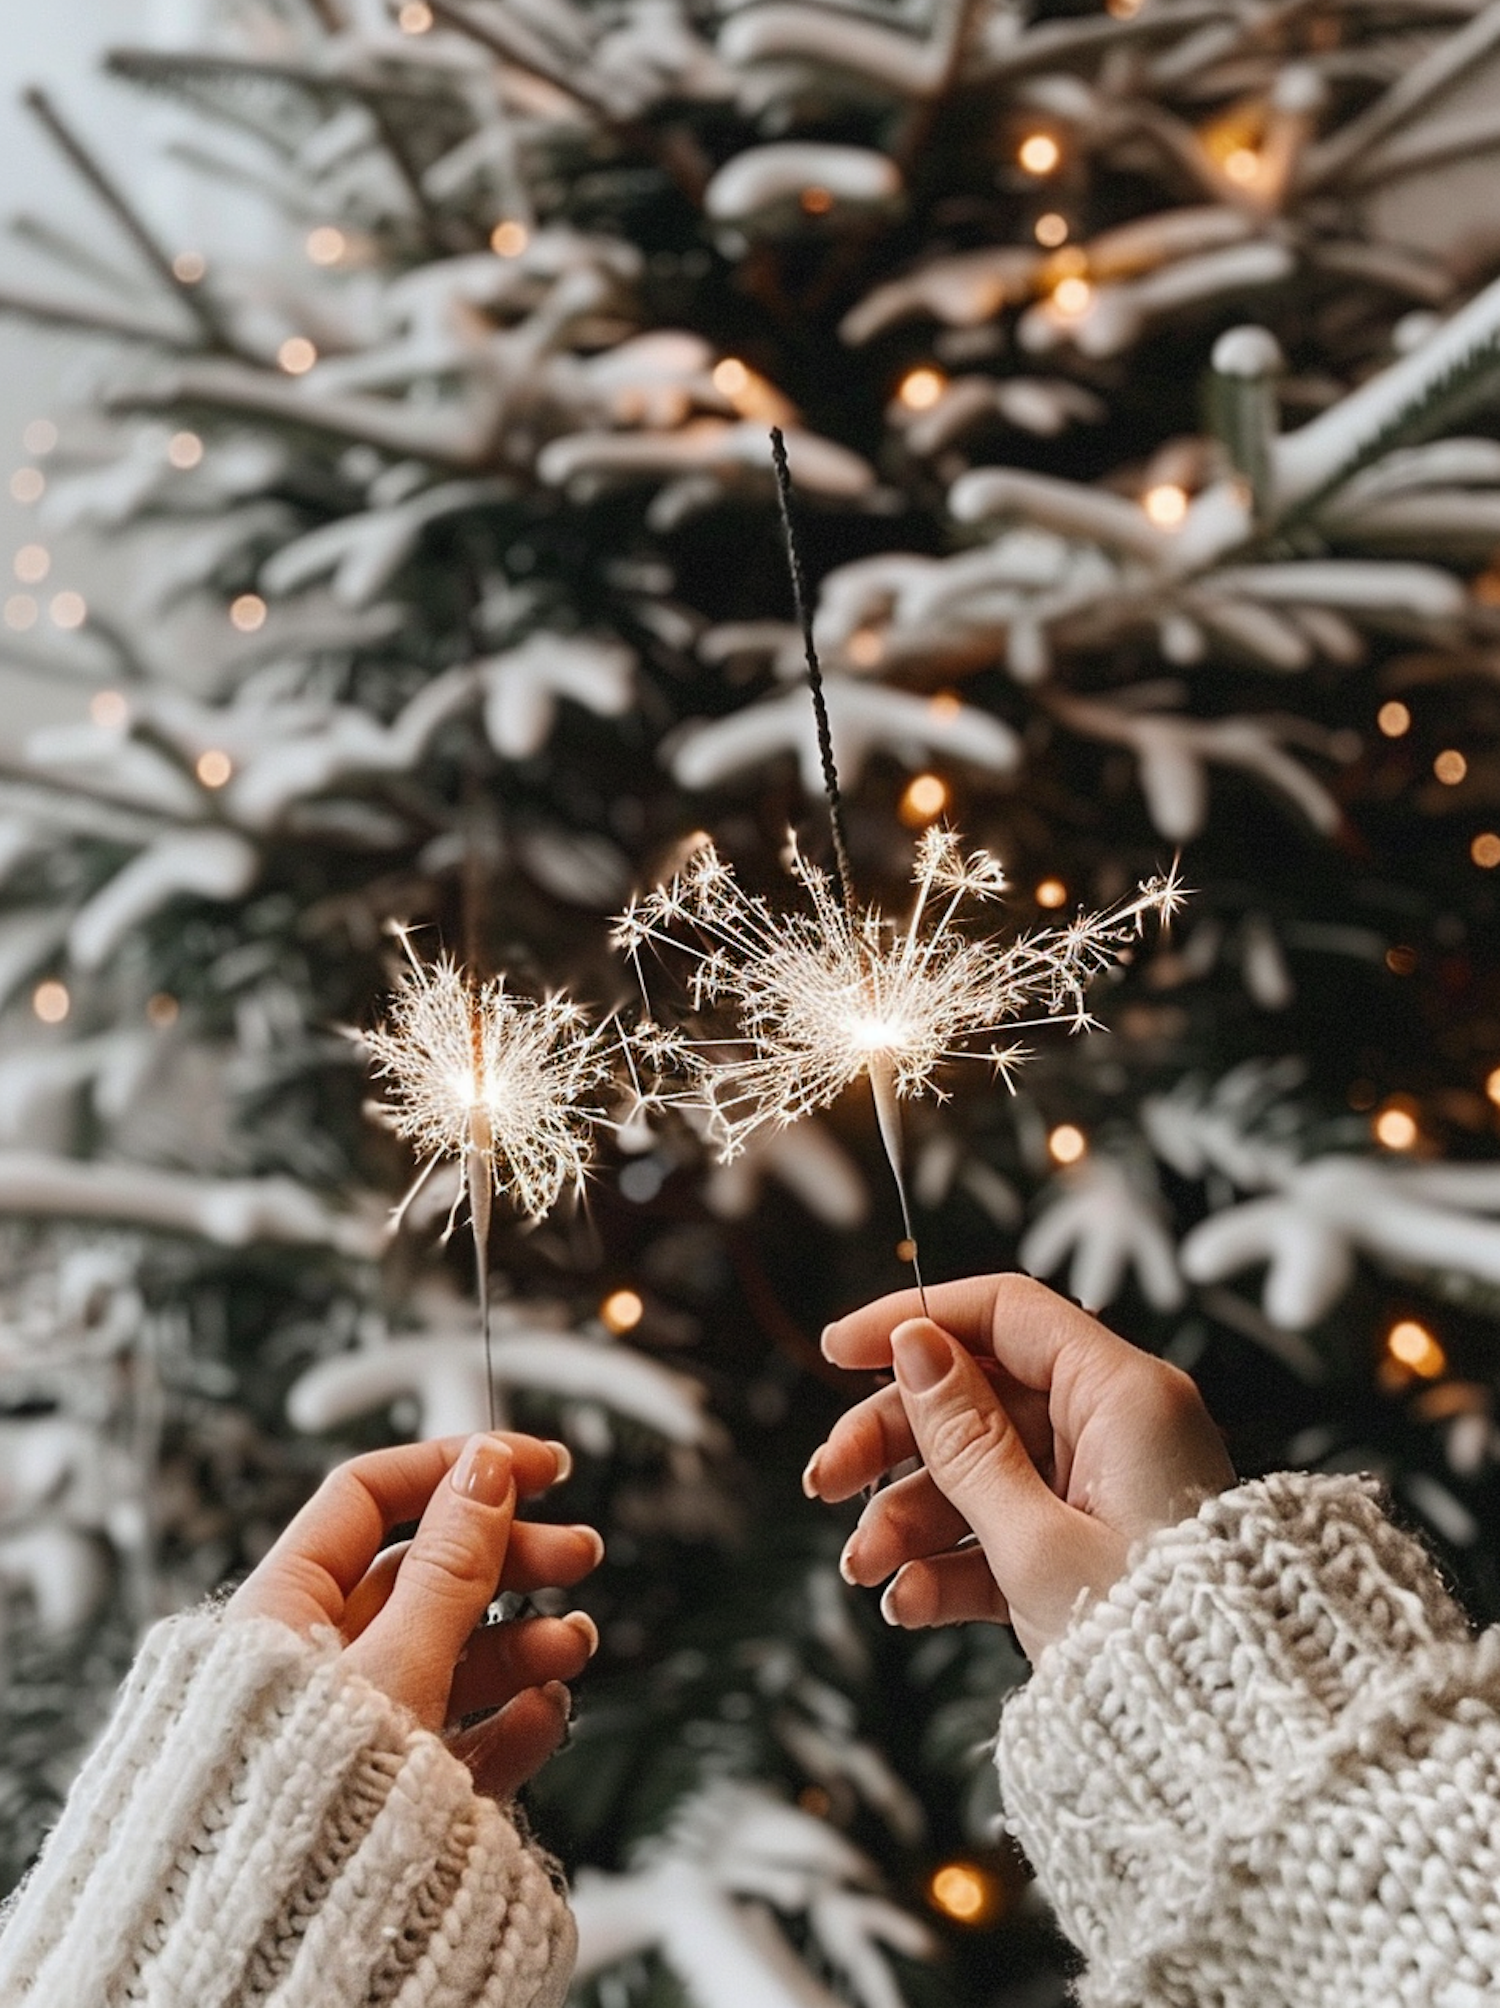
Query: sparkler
(496, 1080)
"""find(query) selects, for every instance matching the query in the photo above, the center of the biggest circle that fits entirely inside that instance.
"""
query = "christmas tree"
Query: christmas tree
(1138, 374)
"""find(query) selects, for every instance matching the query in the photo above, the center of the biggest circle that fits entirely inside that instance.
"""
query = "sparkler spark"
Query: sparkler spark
(827, 996)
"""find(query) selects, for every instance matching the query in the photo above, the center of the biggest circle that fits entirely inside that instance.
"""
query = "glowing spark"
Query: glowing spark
(823, 998)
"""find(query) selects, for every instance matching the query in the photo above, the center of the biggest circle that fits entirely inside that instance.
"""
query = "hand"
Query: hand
(409, 1615)
(1048, 1445)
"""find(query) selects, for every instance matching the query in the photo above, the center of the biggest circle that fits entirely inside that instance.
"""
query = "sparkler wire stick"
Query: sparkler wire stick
(882, 1074)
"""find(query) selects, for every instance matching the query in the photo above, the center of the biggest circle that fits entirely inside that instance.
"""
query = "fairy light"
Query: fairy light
(1450, 767)
(1051, 893)
(32, 564)
(621, 1311)
(1066, 1144)
(189, 267)
(1123, 10)
(1411, 1345)
(28, 485)
(1072, 296)
(816, 201)
(327, 245)
(1395, 1127)
(730, 377)
(925, 798)
(214, 767)
(1050, 230)
(1492, 1085)
(964, 1892)
(1400, 958)
(297, 355)
(21, 612)
(184, 451)
(920, 389)
(945, 704)
(39, 438)
(1039, 153)
(1166, 505)
(248, 613)
(1242, 165)
(1394, 719)
(865, 647)
(110, 710)
(68, 610)
(509, 238)
(415, 18)
(1485, 850)
(50, 1001)
(162, 1010)
(826, 995)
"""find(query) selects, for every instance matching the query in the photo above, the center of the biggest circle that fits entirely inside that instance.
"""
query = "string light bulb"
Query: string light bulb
(730, 377)
(865, 647)
(248, 613)
(1394, 719)
(297, 355)
(32, 564)
(68, 610)
(326, 245)
(509, 238)
(185, 451)
(1242, 165)
(1450, 767)
(1039, 153)
(621, 1311)
(964, 1892)
(1395, 1127)
(1411, 1345)
(214, 767)
(925, 798)
(50, 1002)
(1492, 1085)
(1166, 505)
(1050, 230)
(1051, 893)
(1067, 1144)
(1485, 850)
(816, 201)
(109, 709)
(189, 267)
(1072, 296)
(920, 389)
(40, 437)
(28, 485)
(415, 18)
(21, 612)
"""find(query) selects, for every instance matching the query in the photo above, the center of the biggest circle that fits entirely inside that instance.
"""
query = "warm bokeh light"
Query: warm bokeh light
(1067, 1144)
(865, 647)
(248, 613)
(1413, 1346)
(1400, 959)
(1242, 165)
(1123, 10)
(926, 797)
(816, 201)
(1051, 893)
(509, 238)
(1485, 850)
(51, 1002)
(415, 17)
(327, 244)
(297, 355)
(33, 563)
(945, 704)
(21, 612)
(40, 437)
(1166, 504)
(27, 485)
(214, 768)
(964, 1892)
(162, 1010)
(1039, 153)
(730, 377)
(1450, 766)
(185, 451)
(109, 709)
(622, 1311)
(920, 389)
(1051, 230)
(1492, 1085)
(1395, 1128)
(188, 267)
(69, 610)
(1394, 719)
(1072, 296)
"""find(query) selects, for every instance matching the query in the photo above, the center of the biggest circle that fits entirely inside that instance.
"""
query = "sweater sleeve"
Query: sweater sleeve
(259, 1826)
(1265, 1769)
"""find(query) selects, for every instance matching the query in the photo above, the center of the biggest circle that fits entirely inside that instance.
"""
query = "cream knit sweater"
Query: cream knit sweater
(258, 1826)
(1263, 1772)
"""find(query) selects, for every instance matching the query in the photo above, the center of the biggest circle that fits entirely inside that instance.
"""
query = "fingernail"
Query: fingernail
(583, 1624)
(828, 1332)
(483, 1472)
(558, 1694)
(888, 1603)
(846, 1560)
(810, 1475)
(923, 1355)
(598, 1543)
(564, 1458)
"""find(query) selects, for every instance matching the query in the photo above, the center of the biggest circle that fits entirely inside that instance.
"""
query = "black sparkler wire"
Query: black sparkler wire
(814, 675)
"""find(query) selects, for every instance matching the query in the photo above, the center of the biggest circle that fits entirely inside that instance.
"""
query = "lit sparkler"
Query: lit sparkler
(837, 992)
(497, 1081)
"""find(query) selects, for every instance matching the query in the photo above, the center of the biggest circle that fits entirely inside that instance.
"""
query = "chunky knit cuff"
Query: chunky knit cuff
(257, 1824)
(1265, 1769)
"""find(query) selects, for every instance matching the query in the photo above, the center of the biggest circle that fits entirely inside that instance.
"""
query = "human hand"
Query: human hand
(1058, 1452)
(409, 1615)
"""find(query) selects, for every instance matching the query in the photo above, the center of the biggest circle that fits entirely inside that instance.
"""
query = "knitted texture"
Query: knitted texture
(1264, 1771)
(259, 1826)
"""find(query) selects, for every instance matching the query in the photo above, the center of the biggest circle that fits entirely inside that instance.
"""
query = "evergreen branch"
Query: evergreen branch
(88, 319)
(64, 249)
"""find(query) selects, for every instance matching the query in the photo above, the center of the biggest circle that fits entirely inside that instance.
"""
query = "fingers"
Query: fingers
(875, 1436)
(512, 1746)
(502, 1660)
(368, 1597)
(909, 1519)
(309, 1574)
(950, 1589)
(445, 1581)
(543, 1557)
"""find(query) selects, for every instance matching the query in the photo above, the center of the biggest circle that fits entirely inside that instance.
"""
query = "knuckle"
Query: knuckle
(446, 1562)
(965, 1445)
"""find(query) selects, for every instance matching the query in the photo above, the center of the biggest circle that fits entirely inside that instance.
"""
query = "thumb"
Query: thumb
(973, 1451)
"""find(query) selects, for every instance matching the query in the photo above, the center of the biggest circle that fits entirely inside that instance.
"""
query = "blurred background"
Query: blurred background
(390, 537)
